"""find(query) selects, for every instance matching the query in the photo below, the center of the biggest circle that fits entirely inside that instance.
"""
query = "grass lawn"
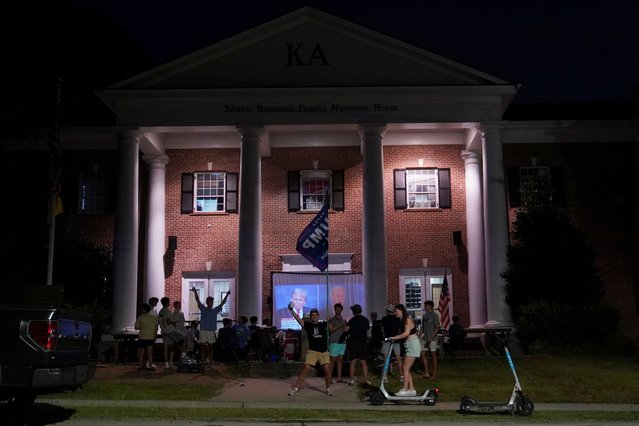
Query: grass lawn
(544, 378)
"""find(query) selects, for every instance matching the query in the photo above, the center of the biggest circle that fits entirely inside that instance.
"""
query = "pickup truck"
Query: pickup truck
(42, 351)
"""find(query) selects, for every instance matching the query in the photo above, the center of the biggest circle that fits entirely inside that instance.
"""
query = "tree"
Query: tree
(552, 283)
(550, 259)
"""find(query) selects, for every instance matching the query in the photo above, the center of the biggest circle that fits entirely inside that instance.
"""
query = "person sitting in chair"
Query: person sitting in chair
(456, 336)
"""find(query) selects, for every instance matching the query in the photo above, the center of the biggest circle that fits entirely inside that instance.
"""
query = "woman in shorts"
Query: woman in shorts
(412, 346)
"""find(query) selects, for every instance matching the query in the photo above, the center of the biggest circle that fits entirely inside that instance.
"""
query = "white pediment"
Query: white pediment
(308, 48)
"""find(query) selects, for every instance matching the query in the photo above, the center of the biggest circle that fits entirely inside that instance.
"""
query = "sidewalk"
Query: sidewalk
(273, 393)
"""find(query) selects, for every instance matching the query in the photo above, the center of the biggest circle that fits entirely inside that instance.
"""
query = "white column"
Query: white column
(475, 239)
(249, 271)
(155, 223)
(495, 226)
(373, 219)
(125, 241)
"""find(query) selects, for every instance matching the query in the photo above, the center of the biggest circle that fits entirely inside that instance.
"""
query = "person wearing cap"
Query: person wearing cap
(317, 332)
(337, 325)
(358, 327)
(391, 326)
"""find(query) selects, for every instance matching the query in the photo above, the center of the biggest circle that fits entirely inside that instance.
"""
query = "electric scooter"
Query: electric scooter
(378, 396)
(518, 402)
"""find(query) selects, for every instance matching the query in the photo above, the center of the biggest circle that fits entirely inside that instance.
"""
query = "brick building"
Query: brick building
(223, 157)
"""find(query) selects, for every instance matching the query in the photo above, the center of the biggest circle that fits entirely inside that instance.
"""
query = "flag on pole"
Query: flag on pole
(313, 241)
(444, 301)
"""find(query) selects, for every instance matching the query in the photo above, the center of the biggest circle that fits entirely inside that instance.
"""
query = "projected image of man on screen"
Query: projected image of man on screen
(285, 317)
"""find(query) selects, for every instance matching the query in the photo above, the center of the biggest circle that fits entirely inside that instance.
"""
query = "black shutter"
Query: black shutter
(293, 191)
(399, 186)
(514, 196)
(187, 193)
(338, 190)
(557, 184)
(231, 192)
(445, 197)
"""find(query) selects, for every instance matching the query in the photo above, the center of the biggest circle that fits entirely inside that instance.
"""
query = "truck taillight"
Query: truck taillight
(44, 333)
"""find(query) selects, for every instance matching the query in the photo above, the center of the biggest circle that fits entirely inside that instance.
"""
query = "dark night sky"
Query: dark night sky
(560, 51)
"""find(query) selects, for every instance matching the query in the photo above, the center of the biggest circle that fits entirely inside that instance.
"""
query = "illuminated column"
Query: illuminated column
(249, 271)
(125, 241)
(475, 239)
(495, 226)
(155, 222)
(373, 220)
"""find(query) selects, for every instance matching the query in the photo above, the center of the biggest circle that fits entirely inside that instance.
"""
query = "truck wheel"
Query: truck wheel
(21, 403)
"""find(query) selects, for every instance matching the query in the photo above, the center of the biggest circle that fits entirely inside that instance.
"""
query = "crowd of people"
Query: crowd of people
(327, 343)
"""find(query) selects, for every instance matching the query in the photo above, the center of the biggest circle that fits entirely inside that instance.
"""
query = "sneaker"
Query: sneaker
(411, 393)
(167, 365)
(401, 392)
(293, 391)
(351, 382)
(368, 382)
(328, 392)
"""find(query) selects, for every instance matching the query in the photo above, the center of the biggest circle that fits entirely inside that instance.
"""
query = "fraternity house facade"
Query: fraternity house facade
(225, 155)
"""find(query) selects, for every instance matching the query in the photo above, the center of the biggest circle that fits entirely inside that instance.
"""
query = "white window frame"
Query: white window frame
(429, 282)
(422, 188)
(216, 287)
(206, 195)
(314, 200)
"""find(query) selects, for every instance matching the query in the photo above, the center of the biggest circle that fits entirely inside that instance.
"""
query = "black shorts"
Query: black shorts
(357, 350)
(142, 343)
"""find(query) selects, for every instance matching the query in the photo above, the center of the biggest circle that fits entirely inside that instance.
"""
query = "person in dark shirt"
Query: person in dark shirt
(375, 347)
(456, 336)
(391, 326)
(223, 349)
(358, 328)
(255, 340)
(317, 332)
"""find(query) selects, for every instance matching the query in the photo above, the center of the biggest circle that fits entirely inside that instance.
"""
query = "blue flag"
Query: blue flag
(313, 241)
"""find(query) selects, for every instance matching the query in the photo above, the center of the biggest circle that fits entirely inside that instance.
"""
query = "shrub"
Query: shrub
(552, 327)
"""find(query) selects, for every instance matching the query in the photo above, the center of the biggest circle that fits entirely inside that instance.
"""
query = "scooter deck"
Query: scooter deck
(489, 407)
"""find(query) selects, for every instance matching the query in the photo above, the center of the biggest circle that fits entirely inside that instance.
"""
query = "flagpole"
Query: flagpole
(328, 329)
(55, 166)
(52, 199)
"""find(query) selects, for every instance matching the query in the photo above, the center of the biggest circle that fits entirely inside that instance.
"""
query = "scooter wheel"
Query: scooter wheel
(431, 398)
(377, 398)
(466, 404)
(524, 406)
